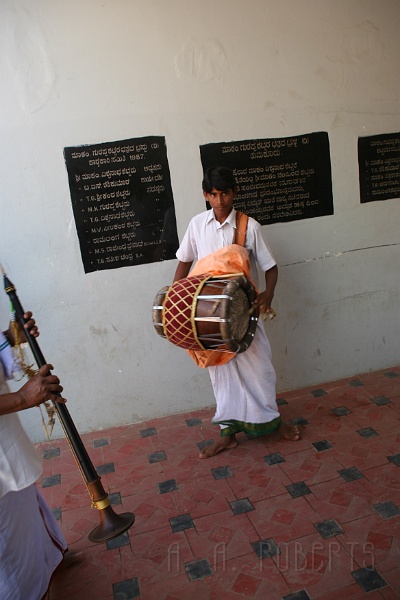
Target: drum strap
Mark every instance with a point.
(241, 228)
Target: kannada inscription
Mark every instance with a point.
(279, 179)
(379, 167)
(122, 202)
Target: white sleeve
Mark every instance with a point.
(6, 356)
(187, 251)
(258, 245)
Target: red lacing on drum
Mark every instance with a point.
(179, 312)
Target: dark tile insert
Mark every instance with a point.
(222, 472)
(367, 432)
(118, 542)
(350, 474)
(204, 443)
(57, 513)
(115, 498)
(319, 393)
(356, 383)
(198, 569)
(157, 457)
(340, 411)
(193, 422)
(51, 480)
(167, 486)
(298, 489)
(241, 506)
(181, 523)
(369, 579)
(51, 453)
(299, 421)
(322, 445)
(381, 400)
(395, 459)
(106, 468)
(126, 590)
(301, 595)
(328, 528)
(391, 374)
(99, 443)
(281, 401)
(148, 432)
(387, 509)
(265, 548)
(274, 459)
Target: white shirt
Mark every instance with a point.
(205, 235)
(20, 465)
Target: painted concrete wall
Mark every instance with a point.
(84, 72)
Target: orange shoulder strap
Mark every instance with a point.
(241, 228)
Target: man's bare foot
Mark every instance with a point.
(224, 443)
(290, 432)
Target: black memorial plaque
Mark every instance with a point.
(379, 167)
(122, 201)
(279, 179)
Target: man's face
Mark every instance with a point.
(221, 201)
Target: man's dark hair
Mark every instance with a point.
(220, 178)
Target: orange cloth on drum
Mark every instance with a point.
(229, 260)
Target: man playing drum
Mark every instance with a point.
(244, 387)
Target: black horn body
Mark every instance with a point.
(111, 524)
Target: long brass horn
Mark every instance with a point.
(111, 524)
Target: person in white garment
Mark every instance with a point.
(245, 387)
(32, 545)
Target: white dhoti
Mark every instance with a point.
(31, 545)
(245, 390)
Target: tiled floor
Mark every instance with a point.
(270, 519)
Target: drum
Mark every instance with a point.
(207, 313)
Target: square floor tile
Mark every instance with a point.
(319, 393)
(51, 453)
(222, 472)
(381, 400)
(350, 474)
(198, 569)
(356, 383)
(119, 541)
(51, 481)
(298, 489)
(301, 595)
(299, 421)
(148, 432)
(369, 579)
(241, 506)
(265, 548)
(328, 528)
(340, 411)
(322, 445)
(115, 498)
(167, 486)
(181, 523)
(193, 422)
(367, 432)
(274, 459)
(126, 590)
(204, 444)
(99, 443)
(57, 513)
(391, 374)
(395, 459)
(106, 468)
(387, 509)
(157, 457)
(281, 401)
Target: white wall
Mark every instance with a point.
(83, 72)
